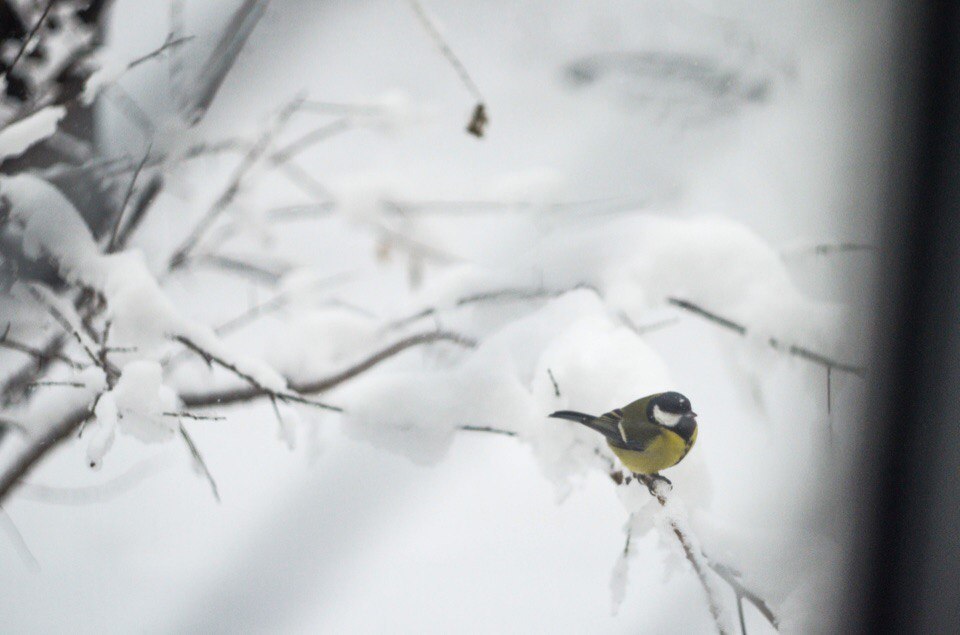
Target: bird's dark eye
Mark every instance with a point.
(674, 403)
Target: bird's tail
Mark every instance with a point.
(572, 415)
(604, 426)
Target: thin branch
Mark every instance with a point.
(29, 38)
(829, 249)
(198, 460)
(100, 492)
(141, 205)
(193, 416)
(553, 380)
(170, 43)
(479, 119)
(732, 578)
(237, 266)
(68, 384)
(111, 245)
(258, 388)
(445, 50)
(20, 545)
(224, 55)
(509, 294)
(42, 356)
(248, 393)
(646, 328)
(66, 325)
(330, 108)
(791, 349)
(273, 304)
(233, 187)
(39, 448)
(506, 433)
(324, 385)
(653, 486)
(10, 424)
(309, 139)
(305, 181)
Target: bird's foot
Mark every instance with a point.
(652, 482)
(663, 479)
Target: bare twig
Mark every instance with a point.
(100, 492)
(274, 303)
(200, 463)
(309, 139)
(233, 187)
(224, 55)
(23, 550)
(479, 117)
(111, 245)
(509, 294)
(791, 349)
(234, 265)
(247, 393)
(193, 416)
(732, 578)
(68, 327)
(141, 204)
(507, 433)
(10, 424)
(829, 249)
(39, 448)
(259, 388)
(330, 108)
(445, 50)
(42, 356)
(646, 328)
(553, 380)
(67, 384)
(29, 38)
(171, 42)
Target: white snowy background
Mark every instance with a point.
(708, 150)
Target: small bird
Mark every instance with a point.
(647, 435)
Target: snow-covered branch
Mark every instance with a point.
(317, 386)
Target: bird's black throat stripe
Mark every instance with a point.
(685, 428)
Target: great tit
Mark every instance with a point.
(647, 435)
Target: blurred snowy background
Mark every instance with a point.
(722, 154)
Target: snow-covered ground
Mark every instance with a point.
(636, 151)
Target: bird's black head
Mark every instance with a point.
(672, 410)
(672, 403)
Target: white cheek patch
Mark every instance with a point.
(665, 418)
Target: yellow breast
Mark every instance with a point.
(664, 451)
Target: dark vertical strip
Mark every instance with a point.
(907, 537)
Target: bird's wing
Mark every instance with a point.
(631, 434)
(613, 421)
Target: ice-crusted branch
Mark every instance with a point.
(791, 349)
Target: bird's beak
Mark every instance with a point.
(692, 414)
